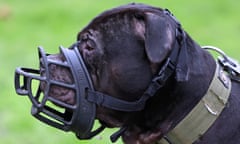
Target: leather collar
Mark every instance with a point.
(204, 114)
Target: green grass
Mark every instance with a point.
(26, 24)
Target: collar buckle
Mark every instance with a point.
(165, 72)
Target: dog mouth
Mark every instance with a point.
(66, 95)
(60, 74)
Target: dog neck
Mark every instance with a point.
(185, 95)
(175, 100)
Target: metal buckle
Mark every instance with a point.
(229, 64)
(165, 72)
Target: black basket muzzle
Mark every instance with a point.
(78, 117)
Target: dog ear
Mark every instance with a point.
(159, 37)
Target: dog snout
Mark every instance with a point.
(59, 74)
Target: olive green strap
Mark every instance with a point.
(200, 119)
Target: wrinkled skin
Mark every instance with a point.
(123, 51)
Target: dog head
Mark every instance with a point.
(122, 50)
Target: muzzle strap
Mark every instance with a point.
(115, 103)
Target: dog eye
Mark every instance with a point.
(84, 37)
(91, 45)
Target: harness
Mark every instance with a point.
(209, 108)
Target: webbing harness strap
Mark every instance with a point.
(204, 114)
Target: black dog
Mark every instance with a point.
(124, 49)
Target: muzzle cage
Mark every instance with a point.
(78, 117)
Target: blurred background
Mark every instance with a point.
(26, 24)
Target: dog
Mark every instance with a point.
(124, 49)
